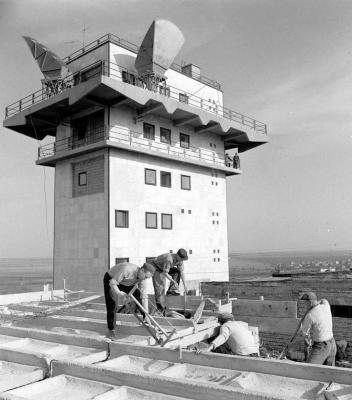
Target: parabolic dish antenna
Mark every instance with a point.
(158, 50)
(49, 63)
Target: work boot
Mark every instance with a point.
(173, 293)
(112, 334)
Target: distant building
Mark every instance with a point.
(138, 171)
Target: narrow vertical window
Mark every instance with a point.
(150, 176)
(82, 179)
(151, 220)
(148, 131)
(121, 219)
(184, 141)
(166, 221)
(165, 179)
(185, 182)
(165, 135)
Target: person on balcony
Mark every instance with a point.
(236, 161)
(168, 266)
(228, 160)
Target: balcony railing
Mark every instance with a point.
(122, 74)
(134, 140)
(134, 48)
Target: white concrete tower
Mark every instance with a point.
(139, 167)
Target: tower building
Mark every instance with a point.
(138, 148)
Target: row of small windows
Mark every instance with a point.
(216, 259)
(147, 259)
(165, 135)
(165, 179)
(214, 251)
(183, 211)
(151, 220)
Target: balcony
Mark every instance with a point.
(123, 138)
(109, 69)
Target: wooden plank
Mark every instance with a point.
(269, 324)
(265, 308)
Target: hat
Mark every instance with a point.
(311, 296)
(224, 317)
(149, 267)
(182, 253)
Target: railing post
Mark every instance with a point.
(254, 124)
(33, 98)
(6, 112)
(20, 105)
(130, 138)
(38, 153)
(200, 153)
(201, 103)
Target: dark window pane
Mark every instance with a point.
(165, 179)
(151, 220)
(184, 141)
(148, 131)
(121, 219)
(185, 182)
(166, 221)
(121, 259)
(150, 176)
(183, 98)
(165, 135)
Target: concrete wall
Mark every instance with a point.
(100, 53)
(81, 230)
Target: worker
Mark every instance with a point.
(119, 280)
(317, 327)
(168, 266)
(234, 338)
(236, 161)
(228, 160)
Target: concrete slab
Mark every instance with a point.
(13, 375)
(140, 364)
(128, 393)
(201, 373)
(282, 386)
(7, 339)
(63, 387)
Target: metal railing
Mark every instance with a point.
(109, 37)
(123, 74)
(132, 139)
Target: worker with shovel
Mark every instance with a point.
(317, 324)
(119, 280)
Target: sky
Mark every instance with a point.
(287, 63)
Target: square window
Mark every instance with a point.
(182, 210)
(212, 182)
(165, 179)
(218, 251)
(217, 214)
(213, 222)
(82, 179)
(189, 211)
(211, 144)
(218, 259)
(183, 98)
(190, 251)
(217, 222)
(149, 259)
(214, 251)
(121, 259)
(151, 220)
(121, 219)
(148, 131)
(216, 183)
(150, 176)
(170, 251)
(214, 259)
(213, 213)
(165, 135)
(185, 182)
(184, 141)
(166, 221)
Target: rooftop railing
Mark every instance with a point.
(109, 37)
(122, 74)
(132, 139)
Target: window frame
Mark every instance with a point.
(169, 134)
(169, 174)
(127, 215)
(187, 146)
(84, 173)
(122, 259)
(145, 176)
(162, 225)
(183, 98)
(146, 124)
(146, 220)
(190, 184)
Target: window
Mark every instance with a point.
(166, 221)
(185, 182)
(165, 135)
(148, 131)
(82, 179)
(149, 259)
(128, 78)
(190, 252)
(151, 220)
(182, 210)
(189, 211)
(165, 179)
(184, 141)
(150, 176)
(121, 219)
(341, 311)
(121, 259)
(183, 98)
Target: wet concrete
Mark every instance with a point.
(13, 375)
(137, 364)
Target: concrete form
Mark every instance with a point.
(142, 371)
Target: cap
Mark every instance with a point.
(182, 253)
(309, 296)
(149, 267)
(224, 317)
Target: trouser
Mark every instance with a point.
(226, 349)
(111, 306)
(159, 290)
(176, 276)
(323, 353)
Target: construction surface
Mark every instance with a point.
(66, 355)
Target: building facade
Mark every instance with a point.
(138, 172)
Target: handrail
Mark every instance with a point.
(115, 71)
(134, 139)
(110, 37)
